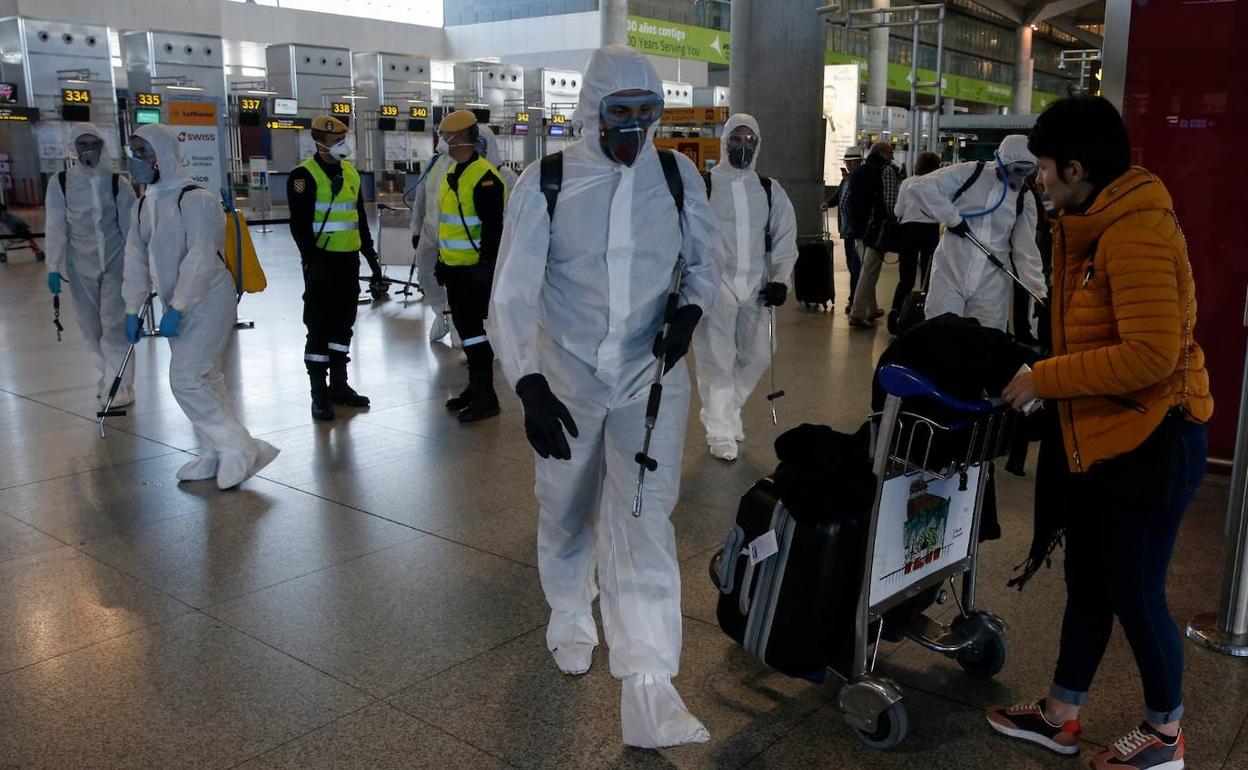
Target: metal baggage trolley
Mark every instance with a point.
(923, 532)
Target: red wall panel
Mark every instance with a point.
(1186, 107)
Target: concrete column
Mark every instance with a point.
(614, 18)
(1023, 65)
(877, 63)
(785, 94)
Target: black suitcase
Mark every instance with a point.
(812, 275)
(793, 610)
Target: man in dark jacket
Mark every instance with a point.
(330, 226)
(875, 186)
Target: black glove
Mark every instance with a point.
(961, 229)
(675, 345)
(543, 415)
(439, 272)
(774, 294)
(374, 266)
(415, 242)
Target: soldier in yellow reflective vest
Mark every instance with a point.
(471, 198)
(330, 226)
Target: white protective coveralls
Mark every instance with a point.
(580, 300)
(963, 280)
(731, 343)
(86, 243)
(494, 154)
(176, 249)
(424, 223)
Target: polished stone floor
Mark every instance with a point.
(371, 600)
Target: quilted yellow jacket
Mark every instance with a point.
(1124, 321)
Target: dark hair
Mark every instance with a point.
(1087, 129)
(926, 163)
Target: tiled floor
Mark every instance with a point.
(372, 600)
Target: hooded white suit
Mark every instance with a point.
(731, 343)
(494, 154)
(580, 300)
(963, 281)
(86, 243)
(176, 249)
(425, 224)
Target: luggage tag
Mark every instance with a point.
(763, 547)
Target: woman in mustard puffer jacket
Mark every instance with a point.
(1129, 387)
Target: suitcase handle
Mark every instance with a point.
(728, 560)
(747, 580)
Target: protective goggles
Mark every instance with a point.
(1019, 169)
(619, 110)
(743, 139)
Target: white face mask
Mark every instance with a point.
(341, 150)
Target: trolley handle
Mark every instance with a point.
(905, 383)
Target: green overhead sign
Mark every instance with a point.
(957, 87)
(667, 38)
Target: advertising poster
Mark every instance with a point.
(840, 112)
(924, 526)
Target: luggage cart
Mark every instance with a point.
(923, 532)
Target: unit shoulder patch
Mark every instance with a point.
(300, 185)
(487, 182)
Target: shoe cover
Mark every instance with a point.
(238, 467)
(125, 397)
(202, 467)
(653, 716)
(724, 449)
(571, 638)
(440, 327)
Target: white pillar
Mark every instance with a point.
(1023, 65)
(613, 15)
(877, 62)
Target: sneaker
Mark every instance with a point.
(1141, 749)
(1026, 721)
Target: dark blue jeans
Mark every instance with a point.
(1122, 524)
(854, 262)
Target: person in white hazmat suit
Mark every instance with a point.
(424, 227)
(732, 345)
(981, 198)
(89, 208)
(576, 317)
(488, 146)
(175, 244)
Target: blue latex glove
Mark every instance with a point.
(133, 328)
(169, 322)
(54, 283)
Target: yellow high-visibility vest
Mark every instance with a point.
(336, 219)
(459, 227)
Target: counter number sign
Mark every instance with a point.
(418, 112)
(558, 120)
(248, 104)
(147, 100)
(75, 96)
(388, 111)
(522, 117)
(340, 108)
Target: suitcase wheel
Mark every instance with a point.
(890, 728)
(714, 567)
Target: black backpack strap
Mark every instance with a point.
(185, 190)
(706, 179)
(116, 186)
(551, 181)
(979, 169)
(60, 177)
(766, 183)
(675, 184)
